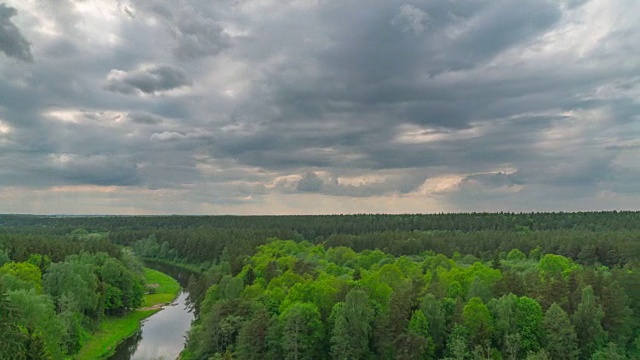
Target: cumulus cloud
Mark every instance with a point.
(148, 80)
(12, 42)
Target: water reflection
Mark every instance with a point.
(163, 334)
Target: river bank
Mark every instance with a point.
(114, 330)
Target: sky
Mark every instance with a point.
(318, 106)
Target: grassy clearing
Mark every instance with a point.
(113, 330)
(166, 290)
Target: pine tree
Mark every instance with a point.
(252, 337)
(587, 322)
(561, 341)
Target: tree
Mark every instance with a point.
(617, 313)
(610, 352)
(76, 282)
(43, 332)
(587, 322)
(552, 264)
(516, 255)
(252, 338)
(540, 355)
(21, 275)
(4, 258)
(560, 337)
(12, 339)
(432, 308)
(529, 319)
(477, 319)
(416, 342)
(302, 332)
(458, 343)
(506, 330)
(394, 322)
(352, 327)
(124, 289)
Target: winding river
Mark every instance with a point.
(162, 335)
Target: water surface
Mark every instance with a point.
(163, 334)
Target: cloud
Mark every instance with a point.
(310, 182)
(168, 136)
(363, 185)
(148, 80)
(411, 19)
(196, 34)
(12, 42)
(304, 106)
(144, 118)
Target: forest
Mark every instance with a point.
(441, 286)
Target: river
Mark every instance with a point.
(162, 335)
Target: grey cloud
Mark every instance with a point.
(12, 42)
(492, 180)
(168, 136)
(196, 34)
(199, 37)
(148, 80)
(398, 183)
(329, 91)
(412, 20)
(310, 183)
(144, 118)
(98, 170)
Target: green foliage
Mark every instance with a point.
(409, 266)
(252, 339)
(587, 322)
(529, 320)
(76, 283)
(21, 276)
(124, 288)
(516, 255)
(560, 337)
(551, 264)
(4, 258)
(352, 327)
(458, 343)
(610, 352)
(477, 319)
(42, 331)
(436, 321)
(302, 332)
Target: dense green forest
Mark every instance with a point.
(456, 286)
(55, 289)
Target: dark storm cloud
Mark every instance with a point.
(12, 42)
(522, 103)
(148, 80)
